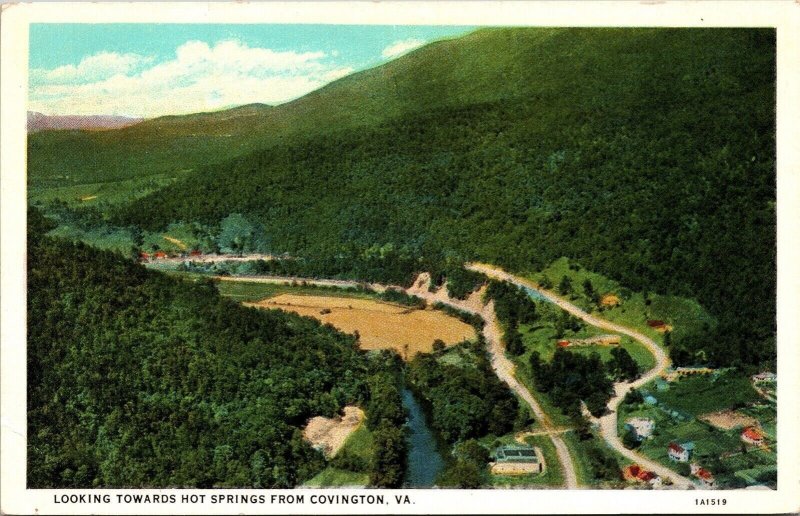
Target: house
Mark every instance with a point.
(656, 323)
(641, 427)
(680, 452)
(764, 377)
(195, 252)
(563, 343)
(159, 254)
(631, 472)
(144, 257)
(752, 435)
(517, 454)
(636, 473)
(705, 476)
(609, 300)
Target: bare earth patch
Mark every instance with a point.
(329, 435)
(728, 419)
(379, 325)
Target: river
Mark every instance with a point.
(424, 460)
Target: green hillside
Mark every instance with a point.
(136, 379)
(644, 154)
(552, 66)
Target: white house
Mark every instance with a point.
(680, 452)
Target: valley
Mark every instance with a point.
(524, 257)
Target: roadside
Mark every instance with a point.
(608, 422)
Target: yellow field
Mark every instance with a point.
(380, 325)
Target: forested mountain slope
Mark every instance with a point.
(565, 70)
(140, 380)
(647, 155)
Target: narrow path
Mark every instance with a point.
(608, 423)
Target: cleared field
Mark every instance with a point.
(329, 435)
(379, 325)
(728, 419)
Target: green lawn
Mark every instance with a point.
(701, 393)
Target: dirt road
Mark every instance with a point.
(280, 280)
(502, 366)
(608, 423)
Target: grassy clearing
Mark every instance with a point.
(119, 240)
(101, 194)
(686, 316)
(701, 394)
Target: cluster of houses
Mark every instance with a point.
(636, 473)
(682, 452)
(765, 377)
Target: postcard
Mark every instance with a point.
(399, 258)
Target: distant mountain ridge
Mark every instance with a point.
(41, 122)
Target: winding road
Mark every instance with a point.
(502, 366)
(608, 422)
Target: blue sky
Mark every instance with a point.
(157, 69)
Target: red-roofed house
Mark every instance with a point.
(160, 254)
(563, 343)
(656, 323)
(195, 252)
(704, 475)
(752, 435)
(680, 452)
(144, 256)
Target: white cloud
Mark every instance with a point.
(92, 68)
(401, 47)
(200, 77)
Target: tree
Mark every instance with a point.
(462, 474)
(629, 440)
(565, 285)
(622, 365)
(389, 463)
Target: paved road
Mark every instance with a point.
(608, 423)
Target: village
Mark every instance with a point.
(732, 447)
